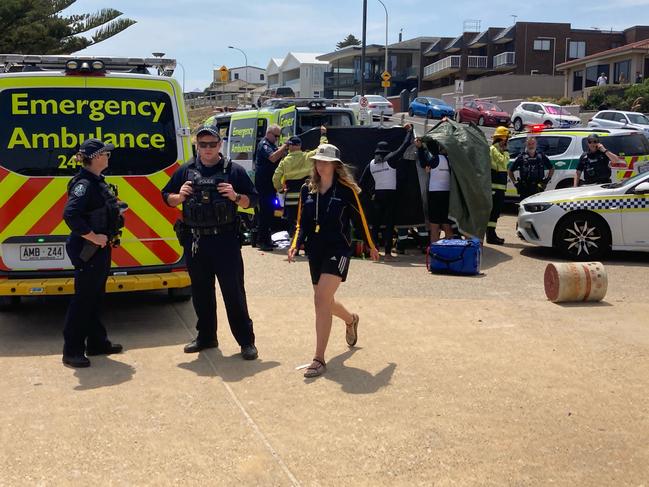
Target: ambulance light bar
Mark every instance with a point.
(29, 62)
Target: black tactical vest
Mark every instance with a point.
(107, 219)
(206, 207)
(596, 168)
(531, 169)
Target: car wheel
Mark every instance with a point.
(429, 115)
(548, 124)
(481, 121)
(582, 236)
(565, 183)
(411, 112)
(518, 124)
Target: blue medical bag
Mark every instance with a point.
(455, 256)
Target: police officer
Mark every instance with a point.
(531, 166)
(267, 157)
(594, 163)
(210, 188)
(93, 214)
(499, 161)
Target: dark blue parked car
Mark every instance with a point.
(430, 108)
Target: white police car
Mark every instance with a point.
(584, 223)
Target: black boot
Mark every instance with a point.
(492, 238)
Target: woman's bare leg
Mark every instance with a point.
(323, 299)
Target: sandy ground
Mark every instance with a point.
(455, 381)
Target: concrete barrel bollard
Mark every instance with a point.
(575, 281)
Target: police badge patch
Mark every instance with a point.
(79, 190)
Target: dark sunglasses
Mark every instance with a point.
(106, 153)
(211, 145)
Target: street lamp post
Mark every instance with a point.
(246, 58)
(385, 89)
(183, 68)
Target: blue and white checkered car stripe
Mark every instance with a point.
(606, 204)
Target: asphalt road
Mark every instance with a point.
(455, 381)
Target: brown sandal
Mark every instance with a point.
(351, 334)
(316, 368)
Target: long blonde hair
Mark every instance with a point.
(343, 172)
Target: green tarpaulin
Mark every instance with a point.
(468, 155)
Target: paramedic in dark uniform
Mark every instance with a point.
(211, 188)
(531, 166)
(327, 206)
(383, 170)
(595, 163)
(267, 157)
(93, 214)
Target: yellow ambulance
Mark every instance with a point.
(48, 106)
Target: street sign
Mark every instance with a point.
(224, 73)
(385, 76)
(363, 102)
(385, 84)
(459, 86)
(363, 113)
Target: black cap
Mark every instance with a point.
(295, 140)
(382, 148)
(209, 129)
(91, 147)
(593, 138)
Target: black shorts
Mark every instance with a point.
(319, 264)
(438, 207)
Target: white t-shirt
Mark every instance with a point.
(440, 177)
(385, 177)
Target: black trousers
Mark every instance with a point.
(527, 190)
(219, 256)
(82, 321)
(385, 202)
(497, 201)
(265, 217)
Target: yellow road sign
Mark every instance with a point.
(385, 76)
(385, 84)
(224, 72)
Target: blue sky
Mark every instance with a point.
(197, 32)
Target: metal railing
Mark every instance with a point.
(505, 59)
(478, 62)
(450, 62)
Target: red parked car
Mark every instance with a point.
(483, 113)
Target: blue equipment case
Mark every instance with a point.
(455, 256)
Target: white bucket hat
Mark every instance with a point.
(327, 152)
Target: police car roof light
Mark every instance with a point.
(15, 62)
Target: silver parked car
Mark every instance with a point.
(616, 119)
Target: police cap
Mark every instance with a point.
(208, 130)
(92, 147)
(295, 140)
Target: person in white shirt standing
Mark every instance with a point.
(439, 189)
(602, 80)
(383, 169)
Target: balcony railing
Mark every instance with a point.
(450, 62)
(478, 62)
(505, 59)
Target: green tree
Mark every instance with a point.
(40, 27)
(350, 40)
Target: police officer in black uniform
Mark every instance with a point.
(211, 188)
(531, 166)
(594, 163)
(93, 213)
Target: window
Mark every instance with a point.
(236, 75)
(261, 77)
(529, 107)
(553, 146)
(578, 81)
(624, 145)
(593, 72)
(44, 143)
(605, 116)
(541, 44)
(621, 71)
(576, 49)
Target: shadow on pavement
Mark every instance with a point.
(354, 380)
(582, 304)
(492, 257)
(136, 320)
(230, 369)
(104, 372)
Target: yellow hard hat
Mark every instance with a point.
(501, 133)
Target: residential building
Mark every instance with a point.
(621, 65)
(523, 49)
(249, 74)
(301, 71)
(343, 79)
